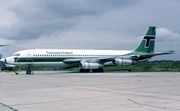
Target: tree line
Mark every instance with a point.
(150, 66)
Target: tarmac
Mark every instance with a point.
(73, 91)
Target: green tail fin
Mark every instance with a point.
(148, 42)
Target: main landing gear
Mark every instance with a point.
(98, 70)
(93, 70)
(84, 70)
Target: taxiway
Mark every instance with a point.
(71, 91)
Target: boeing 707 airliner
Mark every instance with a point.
(86, 60)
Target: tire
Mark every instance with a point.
(84, 70)
(28, 72)
(98, 70)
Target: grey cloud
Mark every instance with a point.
(91, 21)
(44, 17)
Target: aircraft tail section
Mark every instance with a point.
(145, 49)
(148, 42)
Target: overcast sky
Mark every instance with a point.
(88, 24)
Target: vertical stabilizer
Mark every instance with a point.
(148, 42)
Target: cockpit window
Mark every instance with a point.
(16, 54)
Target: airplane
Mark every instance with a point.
(4, 66)
(86, 60)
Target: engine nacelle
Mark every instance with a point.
(123, 62)
(86, 65)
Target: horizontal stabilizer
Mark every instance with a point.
(149, 55)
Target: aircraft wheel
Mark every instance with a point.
(98, 70)
(84, 70)
(101, 70)
(28, 71)
(81, 70)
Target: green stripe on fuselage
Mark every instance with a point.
(45, 59)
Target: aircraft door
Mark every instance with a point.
(29, 57)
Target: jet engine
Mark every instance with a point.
(87, 65)
(123, 62)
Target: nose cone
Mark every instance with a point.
(10, 60)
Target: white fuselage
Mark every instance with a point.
(55, 57)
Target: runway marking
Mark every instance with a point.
(99, 90)
(92, 87)
(160, 107)
(8, 107)
(114, 92)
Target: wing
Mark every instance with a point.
(103, 60)
(149, 55)
(72, 61)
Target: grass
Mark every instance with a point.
(153, 66)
